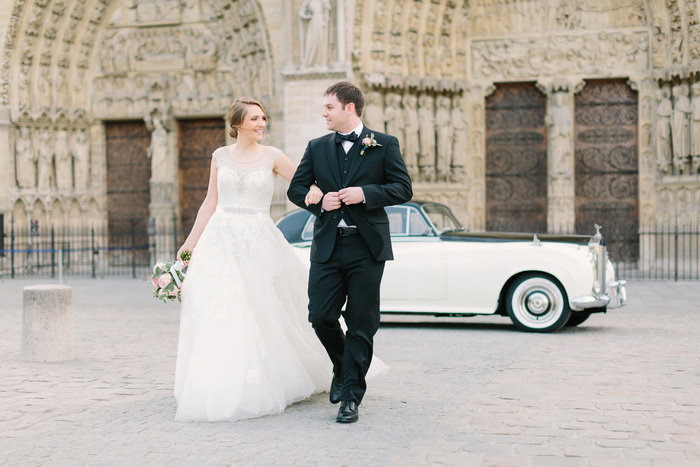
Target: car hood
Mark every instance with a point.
(512, 237)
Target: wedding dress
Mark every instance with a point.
(246, 348)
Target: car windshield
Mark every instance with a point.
(441, 217)
(406, 221)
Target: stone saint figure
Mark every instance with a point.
(680, 126)
(443, 124)
(695, 127)
(44, 157)
(158, 152)
(460, 141)
(412, 128)
(393, 116)
(26, 159)
(81, 150)
(64, 161)
(663, 130)
(426, 156)
(560, 126)
(373, 115)
(314, 23)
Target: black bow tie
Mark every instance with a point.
(352, 136)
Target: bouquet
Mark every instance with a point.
(167, 278)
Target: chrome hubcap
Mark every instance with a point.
(538, 303)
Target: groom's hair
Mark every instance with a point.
(346, 92)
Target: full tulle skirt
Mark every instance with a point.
(246, 348)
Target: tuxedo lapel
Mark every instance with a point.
(332, 158)
(357, 159)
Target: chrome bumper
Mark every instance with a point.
(615, 297)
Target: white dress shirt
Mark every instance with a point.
(346, 147)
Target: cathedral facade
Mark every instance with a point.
(538, 115)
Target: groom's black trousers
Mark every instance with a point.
(352, 273)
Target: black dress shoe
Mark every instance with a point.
(348, 412)
(336, 387)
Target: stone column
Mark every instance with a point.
(164, 196)
(302, 106)
(7, 172)
(648, 167)
(47, 323)
(560, 157)
(476, 155)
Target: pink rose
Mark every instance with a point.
(158, 265)
(172, 293)
(366, 142)
(164, 280)
(154, 281)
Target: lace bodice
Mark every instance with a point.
(245, 186)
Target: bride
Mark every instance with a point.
(246, 348)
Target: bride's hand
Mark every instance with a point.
(314, 195)
(183, 249)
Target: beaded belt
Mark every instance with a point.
(239, 210)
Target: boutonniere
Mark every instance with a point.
(368, 142)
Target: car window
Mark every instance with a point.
(441, 217)
(398, 216)
(405, 221)
(307, 234)
(419, 227)
(292, 224)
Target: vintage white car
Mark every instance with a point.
(542, 282)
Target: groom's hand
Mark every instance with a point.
(331, 201)
(352, 195)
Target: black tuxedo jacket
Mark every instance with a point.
(380, 172)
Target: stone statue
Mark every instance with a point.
(25, 159)
(680, 126)
(314, 25)
(695, 127)
(663, 130)
(64, 161)
(158, 153)
(460, 141)
(81, 150)
(44, 158)
(426, 155)
(373, 114)
(560, 126)
(410, 152)
(393, 116)
(443, 124)
(24, 87)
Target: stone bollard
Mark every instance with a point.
(47, 323)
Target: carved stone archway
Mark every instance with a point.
(72, 65)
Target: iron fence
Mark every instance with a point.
(661, 252)
(91, 252)
(664, 252)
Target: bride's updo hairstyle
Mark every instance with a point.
(237, 112)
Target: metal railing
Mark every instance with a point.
(660, 252)
(665, 252)
(87, 252)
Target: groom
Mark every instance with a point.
(360, 171)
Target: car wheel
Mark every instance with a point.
(536, 303)
(577, 318)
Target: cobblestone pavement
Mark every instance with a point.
(621, 389)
